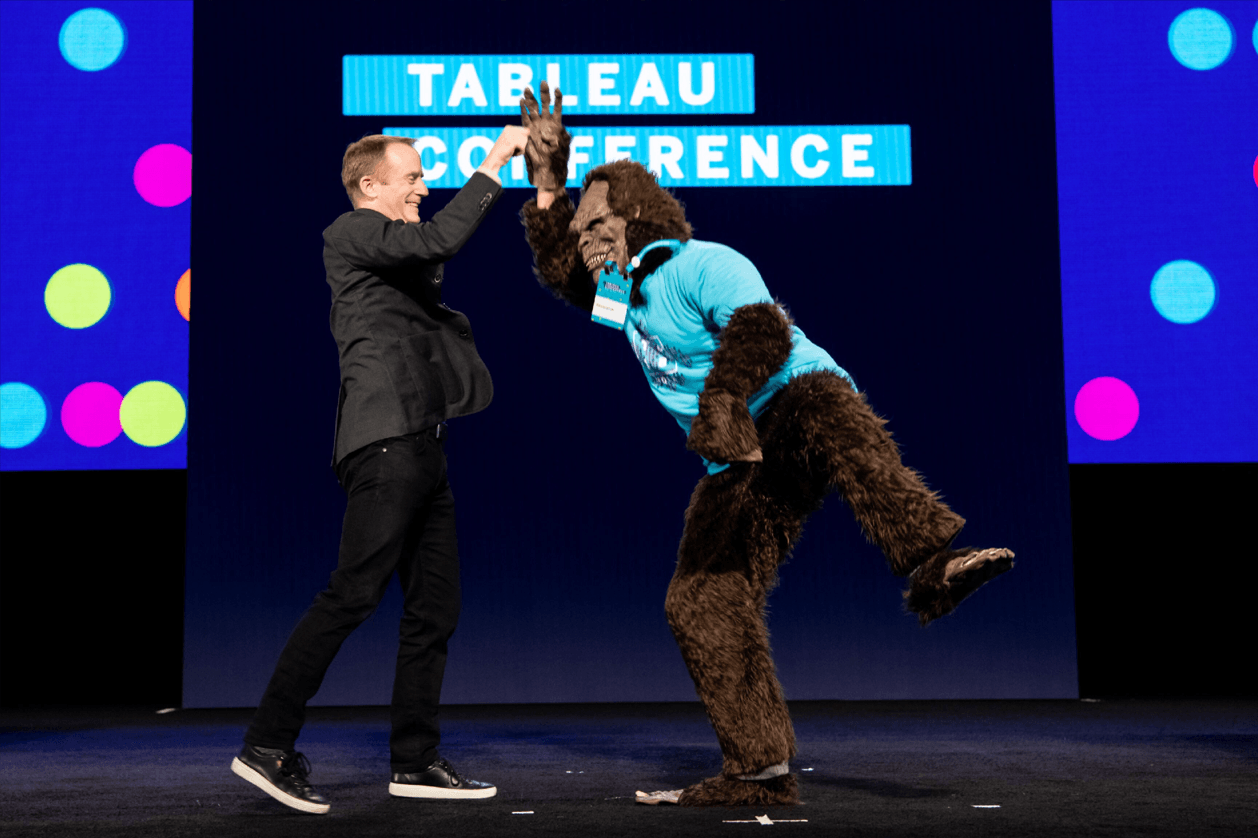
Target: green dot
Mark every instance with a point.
(78, 296)
(152, 413)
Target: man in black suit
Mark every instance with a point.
(408, 363)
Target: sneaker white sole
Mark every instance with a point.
(437, 793)
(248, 774)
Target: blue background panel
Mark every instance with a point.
(941, 298)
(71, 140)
(1155, 165)
(378, 85)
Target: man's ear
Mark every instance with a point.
(367, 186)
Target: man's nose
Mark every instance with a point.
(421, 188)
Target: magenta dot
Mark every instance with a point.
(163, 175)
(90, 414)
(1107, 408)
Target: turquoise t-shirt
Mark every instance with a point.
(689, 300)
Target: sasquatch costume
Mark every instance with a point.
(778, 423)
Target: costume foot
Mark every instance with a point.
(655, 798)
(441, 782)
(939, 585)
(281, 774)
(723, 791)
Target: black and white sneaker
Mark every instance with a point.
(281, 774)
(441, 782)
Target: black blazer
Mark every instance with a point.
(408, 361)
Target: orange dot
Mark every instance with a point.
(183, 294)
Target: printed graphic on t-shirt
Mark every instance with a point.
(660, 361)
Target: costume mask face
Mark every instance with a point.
(602, 232)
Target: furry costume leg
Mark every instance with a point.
(736, 535)
(832, 435)
(828, 434)
(817, 435)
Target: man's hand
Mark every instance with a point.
(546, 154)
(510, 142)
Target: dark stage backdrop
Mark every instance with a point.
(940, 297)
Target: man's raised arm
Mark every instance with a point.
(367, 241)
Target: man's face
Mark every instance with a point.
(399, 182)
(602, 232)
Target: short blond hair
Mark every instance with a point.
(363, 158)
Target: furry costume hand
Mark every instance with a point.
(723, 432)
(753, 346)
(546, 154)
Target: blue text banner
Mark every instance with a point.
(449, 85)
(743, 155)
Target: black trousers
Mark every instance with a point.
(400, 517)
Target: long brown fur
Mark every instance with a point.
(723, 791)
(818, 435)
(557, 263)
(723, 431)
(751, 348)
(727, 564)
(828, 431)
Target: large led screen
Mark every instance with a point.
(869, 159)
(1157, 162)
(95, 275)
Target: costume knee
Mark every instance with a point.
(825, 432)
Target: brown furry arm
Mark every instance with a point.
(557, 262)
(753, 346)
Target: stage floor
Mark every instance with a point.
(972, 768)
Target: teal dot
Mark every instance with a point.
(23, 414)
(92, 39)
(1256, 36)
(1200, 39)
(1182, 291)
